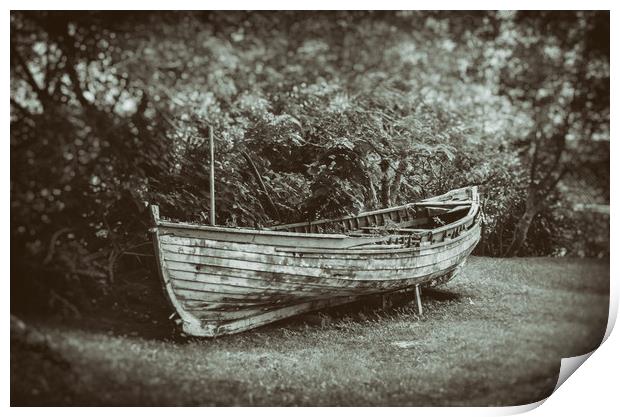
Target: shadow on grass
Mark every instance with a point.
(149, 318)
(481, 341)
(383, 306)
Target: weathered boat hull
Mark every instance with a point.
(224, 280)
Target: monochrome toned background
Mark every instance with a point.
(315, 114)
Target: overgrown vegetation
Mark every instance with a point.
(315, 114)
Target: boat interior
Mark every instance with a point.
(431, 221)
(415, 218)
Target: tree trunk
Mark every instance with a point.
(374, 201)
(386, 197)
(398, 176)
(536, 201)
(523, 226)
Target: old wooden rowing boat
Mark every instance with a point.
(223, 280)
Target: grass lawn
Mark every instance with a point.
(493, 336)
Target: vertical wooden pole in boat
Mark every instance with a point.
(212, 177)
(418, 297)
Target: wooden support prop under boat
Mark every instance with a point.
(418, 298)
(224, 280)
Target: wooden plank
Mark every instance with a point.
(442, 211)
(463, 193)
(223, 317)
(199, 255)
(351, 253)
(243, 268)
(220, 327)
(446, 204)
(225, 306)
(253, 279)
(210, 329)
(197, 263)
(238, 301)
(437, 242)
(244, 231)
(296, 256)
(403, 230)
(214, 287)
(236, 285)
(297, 239)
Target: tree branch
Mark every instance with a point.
(261, 183)
(555, 182)
(395, 187)
(41, 93)
(69, 53)
(52, 245)
(547, 183)
(20, 108)
(534, 165)
(539, 203)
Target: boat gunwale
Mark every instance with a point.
(245, 230)
(362, 252)
(383, 210)
(473, 210)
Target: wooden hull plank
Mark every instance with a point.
(370, 272)
(199, 256)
